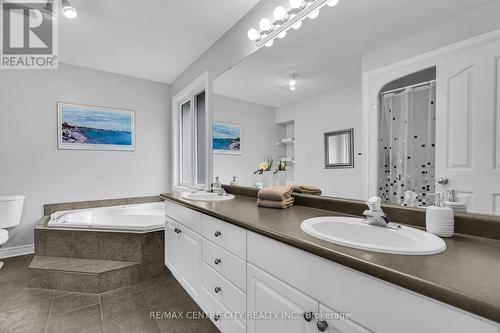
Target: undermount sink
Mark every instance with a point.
(353, 232)
(207, 196)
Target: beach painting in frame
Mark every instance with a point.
(226, 138)
(95, 128)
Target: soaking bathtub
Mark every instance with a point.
(135, 218)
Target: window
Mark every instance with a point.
(191, 130)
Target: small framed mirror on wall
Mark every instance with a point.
(339, 149)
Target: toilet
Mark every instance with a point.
(11, 208)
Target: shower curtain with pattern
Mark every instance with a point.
(407, 144)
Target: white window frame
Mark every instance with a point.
(188, 94)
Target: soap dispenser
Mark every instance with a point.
(439, 219)
(453, 202)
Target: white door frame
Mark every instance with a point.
(372, 83)
(201, 83)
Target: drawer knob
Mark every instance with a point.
(217, 233)
(216, 317)
(217, 261)
(217, 290)
(322, 325)
(308, 316)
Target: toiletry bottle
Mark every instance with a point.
(216, 185)
(439, 219)
(234, 182)
(454, 203)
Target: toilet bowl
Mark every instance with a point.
(11, 209)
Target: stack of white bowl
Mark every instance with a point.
(440, 221)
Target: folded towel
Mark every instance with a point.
(275, 204)
(307, 189)
(275, 193)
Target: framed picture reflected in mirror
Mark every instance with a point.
(339, 149)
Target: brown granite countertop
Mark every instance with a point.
(466, 275)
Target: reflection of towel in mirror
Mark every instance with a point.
(275, 193)
(275, 204)
(307, 189)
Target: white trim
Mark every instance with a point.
(374, 80)
(17, 251)
(199, 84)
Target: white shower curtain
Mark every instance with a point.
(407, 144)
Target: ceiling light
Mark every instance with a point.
(270, 43)
(253, 35)
(293, 88)
(279, 13)
(332, 3)
(314, 14)
(292, 82)
(282, 35)
(296, 3)
(68, 10)
(297, 25)
(265, 24)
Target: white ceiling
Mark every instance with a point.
(153, 39)
(326, 52)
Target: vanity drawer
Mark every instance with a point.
(225, 263)
(219, 314)
(226, 235)
(223, 290)
(188, 217)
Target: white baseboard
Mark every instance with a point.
(17, 251)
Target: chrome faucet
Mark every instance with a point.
(376, 216)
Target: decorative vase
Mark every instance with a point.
(281, 178)
(266, 179)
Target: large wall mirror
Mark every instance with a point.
(280, 101)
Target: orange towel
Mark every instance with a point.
(307, 189)
(275, 204)
(275, 193)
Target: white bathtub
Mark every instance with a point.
(134, 218)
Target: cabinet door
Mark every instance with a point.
(190, 261)
(286, 306)
(171, 247)
(333, 322)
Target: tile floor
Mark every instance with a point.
(126, 309)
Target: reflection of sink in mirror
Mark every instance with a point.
(207, 196)
(355, 233)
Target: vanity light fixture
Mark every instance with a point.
(68, 10)
(284, 20)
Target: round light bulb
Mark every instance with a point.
(265, 24)
(279, 13)
(296, 3)
(269, 43)
(332, 3)
(70, 12)
(297, 25)
(282, 35)
(292, 82)
(293, 88)
(253, 34)
(314, 14)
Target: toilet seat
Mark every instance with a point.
(4, 236)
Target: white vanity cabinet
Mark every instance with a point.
(252, 283)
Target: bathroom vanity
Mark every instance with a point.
(252, 267)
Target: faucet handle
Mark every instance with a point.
(374, 203)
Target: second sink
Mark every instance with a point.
(352, 232)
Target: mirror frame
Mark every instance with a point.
(350, 133)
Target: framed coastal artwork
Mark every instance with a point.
(95, 128)
(226, 138)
